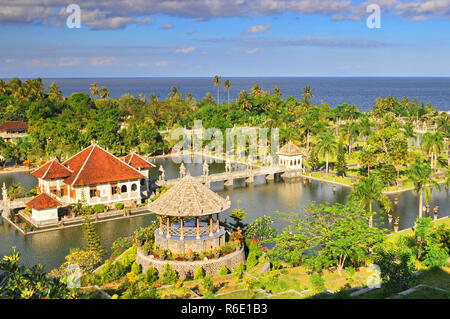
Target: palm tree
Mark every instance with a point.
(95, 91)
(217, 82)
(432, 144)
(104, 93)
(421, 176)
(307, 95)
(276, 91)
(2, 87)
(308, 124)
(227, 86)
(370, 189)
(326, 144)
(54, 92)
(174, 93)
(351, 131)
(244, 102)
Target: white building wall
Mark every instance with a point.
(45, 215)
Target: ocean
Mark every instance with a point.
(361, 91)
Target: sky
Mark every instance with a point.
(146, 38)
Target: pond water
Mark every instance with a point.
(260, 198)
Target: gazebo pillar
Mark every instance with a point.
(168, 227)
(210, 226)
(182, 230)
(217, 223)
(160, 225)
(198, 227)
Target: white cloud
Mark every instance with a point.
(69, 61)
(258, 29)
(103, 61)
(252, 51)
(161, 63)
(9, 60)
(167, 26)
(185, 50)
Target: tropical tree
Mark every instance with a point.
(432, 144)
(54, 92)
(326, 144)
(227, 87)
(367, 157)
(421, 176)
(217, 82)
(370, 189)
(104, 93)
(95, 91)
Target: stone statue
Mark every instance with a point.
(205, 168)
(163, 174)
(182, 170)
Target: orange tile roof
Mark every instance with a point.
(13, 126)
(137, 161)
(43, 201)
(52, 170)
(94, 165)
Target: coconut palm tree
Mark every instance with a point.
(104, 93)
(227, 86)
(307, 95)
(54, 92)
(217, 82)
(326, 145)
(432, 144)
(370, 189)
(276, 91)
(95, 91)
(308, 124)
(421, 176)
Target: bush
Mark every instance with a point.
(435, 255)
(99, 208)
(136, 268)
(151, 275)
(169, 275)
(207, 285)
(141, 290)
(119, 206)
(199, 273)
(239, 271)
(317, 282)
(252, 259)
(120, 245)
(396, 267)
(223, 271)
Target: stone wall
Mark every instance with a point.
(182, 246)
(187, 268)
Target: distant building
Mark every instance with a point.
(44, 208)
(13, 129)
(291, 156)
(96, 175)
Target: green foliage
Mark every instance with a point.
(207, 285)
(151, 275)
(435, 255)
(252, 259)
(317, 282)
(136, 268)
(168, 275)
(261, 229)
(333, 235)
(19, 282)
(341, 165)
(99, 208)
(121, 244)
(396, 267)
(119, 206)
(91, 240)
(238, 216)
(199, 273)
(141, 290)
(87, 260)
(238, 272)
(223, 271)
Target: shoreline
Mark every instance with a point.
(15, 169)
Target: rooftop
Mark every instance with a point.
(43, 201)
(290, 149)
(13, 126)
(137, 161)
(189, 198)
(52, 170)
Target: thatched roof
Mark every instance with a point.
(189, 198)
(290, 149)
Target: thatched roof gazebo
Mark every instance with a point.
(190, 202)
(291, 156)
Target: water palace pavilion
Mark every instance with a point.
(94, 175)
(194, 205)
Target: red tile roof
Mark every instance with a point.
(137, 161)
(94, 165)
(13, 126)
(43, 201)
(52, 170)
